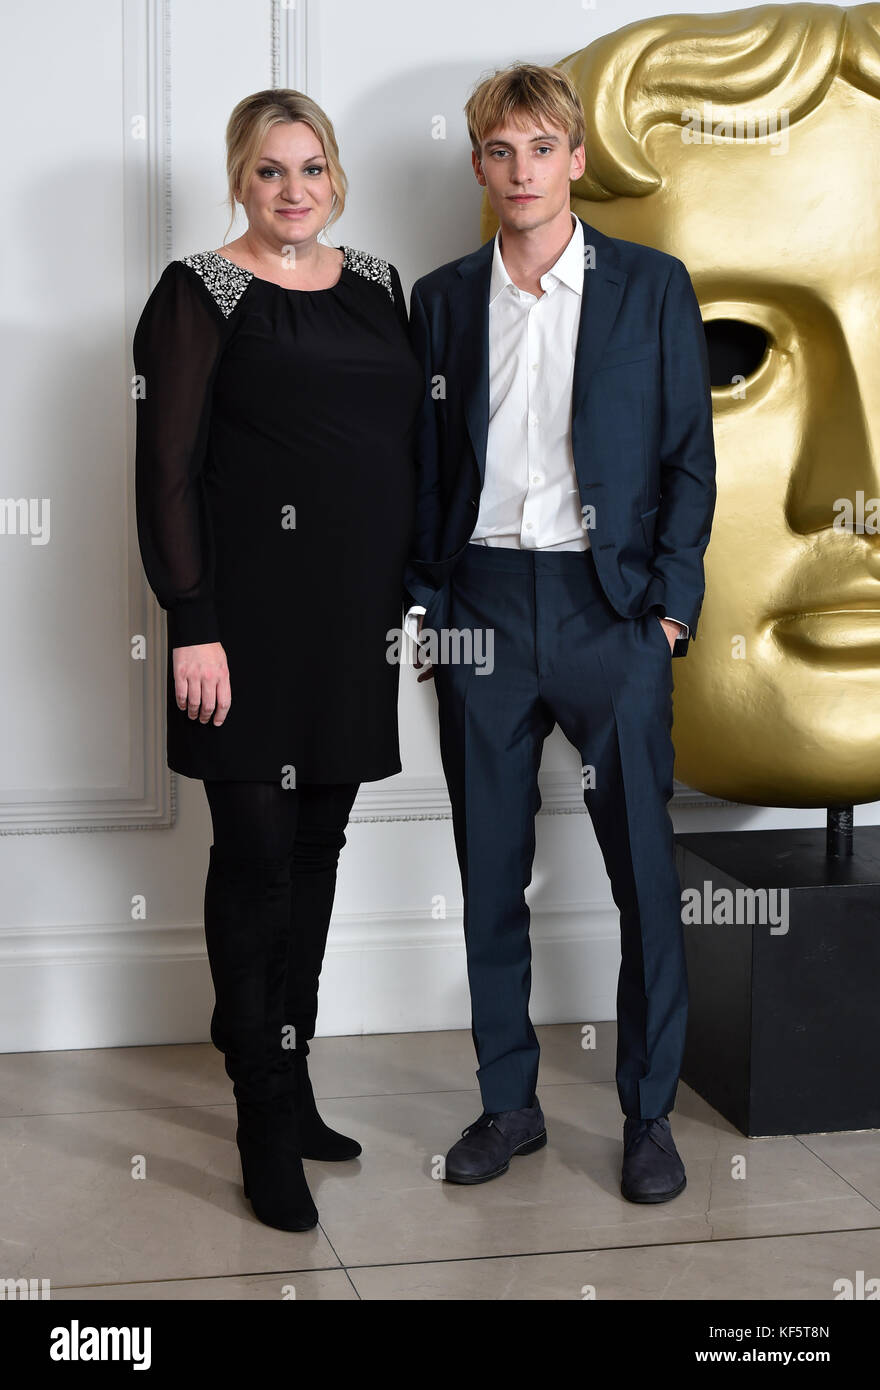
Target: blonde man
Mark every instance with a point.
(566, 493)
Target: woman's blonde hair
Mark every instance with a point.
(524, 89)
(248, 127)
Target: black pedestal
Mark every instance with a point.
(784, 1026)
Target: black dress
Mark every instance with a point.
(275, 485)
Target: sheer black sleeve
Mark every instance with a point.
(177, 346)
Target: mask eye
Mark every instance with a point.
(736, 349)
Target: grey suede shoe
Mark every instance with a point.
(652, 1168)
(486, 1147)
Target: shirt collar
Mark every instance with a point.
(568, 270)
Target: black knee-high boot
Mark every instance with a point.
(317, 1139)
(247, 910)
(313, 884)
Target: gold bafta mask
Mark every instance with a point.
(748, 145)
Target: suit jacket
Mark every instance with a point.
(641, 427)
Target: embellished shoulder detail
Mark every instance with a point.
(372, 267)
(226, 281)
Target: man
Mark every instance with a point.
(566, 492)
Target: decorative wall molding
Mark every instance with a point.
(147, 799)
(148, 244)
(130, 983)
(426, 798)
(292, 42)
(106, 942)
(101, 944)
(406, 799)
(82, 814)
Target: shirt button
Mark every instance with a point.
(529, 526)
(536, 478)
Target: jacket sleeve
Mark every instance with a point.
(687, 452)
(177, 346)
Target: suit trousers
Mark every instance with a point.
(560, 654)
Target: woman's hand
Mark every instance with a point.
(201, 681)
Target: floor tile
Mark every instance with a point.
(855, 1157)
(304, 1286)
(566, 1196)
(112, 1078)
(74, 1214)
(776, 1268)
(761, 1218)
(392, 1064)
(135, 1078)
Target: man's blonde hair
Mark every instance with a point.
(521, 92)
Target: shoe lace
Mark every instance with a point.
(484, 1122)
(655, 1132)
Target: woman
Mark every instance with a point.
(275, 494)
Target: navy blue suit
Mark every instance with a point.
(576, 639)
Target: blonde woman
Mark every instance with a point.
(275, 491)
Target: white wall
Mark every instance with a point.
(90, 819)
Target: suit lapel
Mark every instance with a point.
(469, 304)
(603, 291)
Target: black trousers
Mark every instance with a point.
(561, 655)
(268, 902)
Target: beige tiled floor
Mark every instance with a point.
(76, 1126)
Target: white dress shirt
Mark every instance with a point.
(530, 498)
